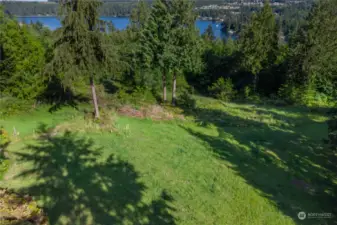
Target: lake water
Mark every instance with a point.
(119, 22)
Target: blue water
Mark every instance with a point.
(119, 22)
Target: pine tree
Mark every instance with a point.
(155, 40)
(2, 22)
(259, 42)
(79, 50)
(169, 38)
(184, 39)
(22, 60)
(209, 33)
(139, 15)
(314, 48)
(139, 64)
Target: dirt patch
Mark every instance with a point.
(154, 112)
(20, 210)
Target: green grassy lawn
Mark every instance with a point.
(225, 164)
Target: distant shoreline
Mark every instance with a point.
(55, 16)
(40, 16)
(36, 16)
(58, 16)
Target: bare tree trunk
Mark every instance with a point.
(255, 82)
(94, 97)
(164, 86)
(174, 88)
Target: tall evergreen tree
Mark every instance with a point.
(140, 15)
(259, 42)
(184, 39)
(140, 68)
(209, 33)
(314, 49)
(21, 60)
(79, 50)
(156, 38)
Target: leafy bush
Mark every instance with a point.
(123, 96)
(136, 96)
(291, 94)
(4, 138)
(307, 96)
(4, 141)
(142, 95)
(183, 85)
(303, 95)
(247, 95)
(106, 121)
(223, 89)
(186, 100)
(4, 163)
(247, 92)
(11, 106)
(22, 66)
(322, 99)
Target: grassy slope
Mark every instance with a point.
(236, 164)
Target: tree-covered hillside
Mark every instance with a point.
(159, 125)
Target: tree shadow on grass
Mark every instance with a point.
(77, 185)
(288, 167)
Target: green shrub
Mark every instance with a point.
(183, 85)
(10, 106)
(303, 95)
(247, 92)
(290, 93)
(250, 95)
(123, 96)
(141, 95)
(4, 138)
(307, 96)
(322, 99)
(4, 141)
(223, 89)
(186, 100)
(4, 164)
(136, 96)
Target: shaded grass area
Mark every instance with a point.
(232, 164)
(77, 186)
(279, 151)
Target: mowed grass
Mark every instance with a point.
(225, 164)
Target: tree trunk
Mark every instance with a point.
(94, 97)
(174, 88)
(255, 82)
(164, 86)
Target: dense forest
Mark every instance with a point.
(161, 49)
(258, 63)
